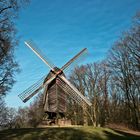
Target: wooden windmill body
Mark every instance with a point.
(56, 88)
(55, 98)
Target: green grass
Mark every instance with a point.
(66, 133)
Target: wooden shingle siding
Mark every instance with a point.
(56, 98)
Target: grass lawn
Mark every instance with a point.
(66, 133)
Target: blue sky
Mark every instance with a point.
(61, 28)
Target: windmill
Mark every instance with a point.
(56, 88)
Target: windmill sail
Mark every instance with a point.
(38, 52)
(32, 94)
(35, 88)
(69, 92)
(32, 90)
(73, 91)
(74, 59)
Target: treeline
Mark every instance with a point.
(113, 85)
(22, 117)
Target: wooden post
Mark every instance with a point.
(57, 113)
(85, 115)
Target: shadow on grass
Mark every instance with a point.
(64, 134)
(120, 135)
(46, 134)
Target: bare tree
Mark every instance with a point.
(91, 80)
(124, 63)
(7, 116)
(8, 12)
(36, 112)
